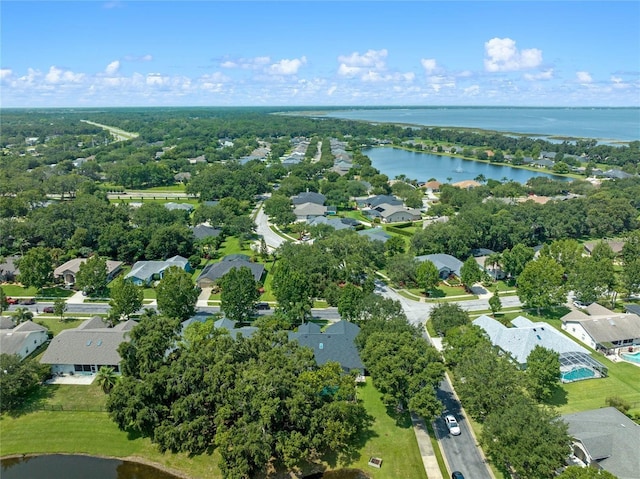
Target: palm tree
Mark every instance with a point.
(106, 378)
(21, 315)
(480, 178)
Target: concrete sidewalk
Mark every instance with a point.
(427, 453)
(76, 298)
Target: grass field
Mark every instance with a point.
(78, 426)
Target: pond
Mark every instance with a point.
(422, 166)
(60, 466)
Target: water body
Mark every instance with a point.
(58, 466)
(605, 124)
(422, 166)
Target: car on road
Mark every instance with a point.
(27, 301)
(452, 424)
(11, 300)
(457, 475)
(48, 309)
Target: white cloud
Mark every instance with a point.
(5, 73)
(57, 75)
(135, 58)
(247, 63)
(374, 76)
(332, 90)
(287, 67)
(503, 56)
(584, 77)
(473, 90)
(544, 75)
(355, 64)
(112, 68)
(429, 65)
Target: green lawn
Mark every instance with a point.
(75, 426)
(391, 439)
(54, 324)
(17, 290)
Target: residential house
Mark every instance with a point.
(308, 197)
(203, 231)
(144, 272)
(68, 271)
(602, 329)
(377, 200)
(543, 163)
(433, 185)
(519, 340)
(548, 155)
(85, 349)
(9, 270)
(22, 340)
(335, 223)
(171, 206)
(397, 213)
(335, 343)
(605, 439)
(375, 234)
(466, 184)
(447, 265)
(616, 246)
(309, 211)
(481, 256)
(616, 174)
(197, 159)
(212, 273)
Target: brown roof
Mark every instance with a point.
(466, 184)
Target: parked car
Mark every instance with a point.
(452, 424)
(579, 304)
(27, 301)
(457, 475)
(48, 309)
(262, 306)
(11, 300)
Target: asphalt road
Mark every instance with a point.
(462, 452)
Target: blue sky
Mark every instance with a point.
(241, 53)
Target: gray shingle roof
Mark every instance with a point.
(309, 197)
(205, 231)
(13, 340)
(442, 260)
(604, 326)
(145, 270)
(610, 438)
(375, 234)
(217, 270)
(334, 344)
(87, 345)
(525, 336)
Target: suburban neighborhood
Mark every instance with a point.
(278, 299)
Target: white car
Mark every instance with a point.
(452, 424)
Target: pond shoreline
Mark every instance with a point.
(136, 459)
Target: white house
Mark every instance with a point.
(603, 329)
(23, 339)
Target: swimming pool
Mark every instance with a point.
(577, 374)
(633, 357)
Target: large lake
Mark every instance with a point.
(621, 124)
(422, 166)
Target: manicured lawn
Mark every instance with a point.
(54, 324)
(232, 245)
(17, 290)
(391, 439)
